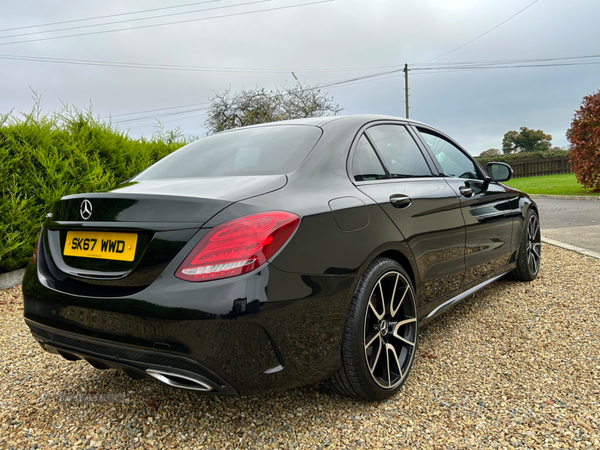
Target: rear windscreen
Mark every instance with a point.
(252, 151)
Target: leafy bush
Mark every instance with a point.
(523, 156)
(584, 136)
(46, 156)
(490, 153)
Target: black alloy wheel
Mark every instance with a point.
(390, 330)
(380, 337)
(530, 251)
(534, 246)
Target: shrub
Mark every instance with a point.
(584, 136)
(490, 153)
(523, 156)
(44, 157)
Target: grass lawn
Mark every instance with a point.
(563, 184)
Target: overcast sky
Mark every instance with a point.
(322, 43)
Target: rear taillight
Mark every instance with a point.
(238, 246)
(35, 251)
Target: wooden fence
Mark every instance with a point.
(536, 167)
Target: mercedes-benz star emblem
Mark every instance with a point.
(85, 209)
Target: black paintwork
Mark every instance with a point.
(280, 325)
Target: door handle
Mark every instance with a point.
(400, 201)
(466, 191)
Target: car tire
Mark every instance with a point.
(530, 250)
(380, 335)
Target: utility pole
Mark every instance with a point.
(406, 88)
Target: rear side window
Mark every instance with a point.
(399, 151)
(267, 150)
(366, 165)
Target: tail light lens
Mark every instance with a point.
(35, 251)
(238, 246)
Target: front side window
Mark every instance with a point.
(454, 162)
(399, 151)
(268, 150)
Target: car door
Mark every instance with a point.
(484, 205)
(388, 166)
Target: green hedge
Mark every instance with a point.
(524, 156)
(44, 157)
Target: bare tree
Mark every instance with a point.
(251, 107)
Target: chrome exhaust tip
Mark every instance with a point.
(180, 381)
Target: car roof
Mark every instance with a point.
(324, 120)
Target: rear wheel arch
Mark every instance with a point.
(402, 256)
(404, 261)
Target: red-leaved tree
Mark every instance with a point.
(584, 136)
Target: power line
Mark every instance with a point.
(371, 77)
(530, 62)
(79, 27)
(168, 121)
(351, 83)
(381, 76)
(481, 65)
(454, 67)
(175, 67)
(510, 61)
(154, 110)
(135, 119)
(397, 73)
(481, 35)
(364, 77)
(196, 109)
(106, 16)
(515, 66)
(176, 22)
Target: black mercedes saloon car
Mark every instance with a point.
(278, 255)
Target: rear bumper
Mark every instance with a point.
(136, 363)
(263, 331)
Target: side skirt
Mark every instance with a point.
(435, 308)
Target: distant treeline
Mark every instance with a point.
(524, 156)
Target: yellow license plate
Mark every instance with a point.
(101, 245)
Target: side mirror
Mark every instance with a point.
(499, 171)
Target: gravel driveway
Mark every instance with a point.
(516, 365)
